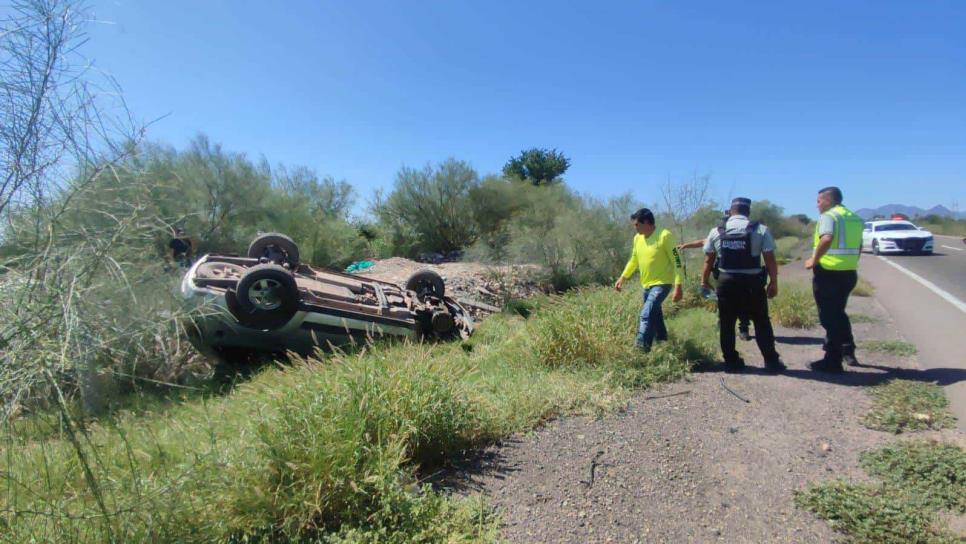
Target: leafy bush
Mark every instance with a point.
(431, 208)
(537, 166)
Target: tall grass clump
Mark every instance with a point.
(594, 328)
(794, 307)
(334, 448)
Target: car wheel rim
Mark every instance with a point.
(265, 294)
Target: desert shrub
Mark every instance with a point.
(785, 248)
(430, 208)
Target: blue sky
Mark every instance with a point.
(772, 100)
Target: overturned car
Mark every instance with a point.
(269, 302)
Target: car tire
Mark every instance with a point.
(875, 247)
(426, 282)
(275, 247)
(266, 297)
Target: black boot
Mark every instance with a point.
(827, 365)
(736, 365)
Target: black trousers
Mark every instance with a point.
(744, 295)
(831, 289)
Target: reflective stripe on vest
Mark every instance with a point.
(846, 240)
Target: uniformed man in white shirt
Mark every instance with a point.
(740, 245)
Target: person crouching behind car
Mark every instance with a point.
(656, 258)
(180, 247)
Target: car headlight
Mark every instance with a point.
(928, 238)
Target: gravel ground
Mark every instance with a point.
(692, 462)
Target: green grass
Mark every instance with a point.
(930, 474)
(794, 307)
(903, 405)
(918, 480)
(872, 514)
(786, 248)
(863, 289)
(892, 347)
(862, 318)
(331, 450)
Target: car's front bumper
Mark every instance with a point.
(906, 245)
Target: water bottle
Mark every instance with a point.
(709, 294)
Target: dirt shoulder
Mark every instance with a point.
(693, 462)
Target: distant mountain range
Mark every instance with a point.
(908, 211)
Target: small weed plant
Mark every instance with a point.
(930, 474)
(918, 480)
(892, 347)
(903, 405)
(862, 318)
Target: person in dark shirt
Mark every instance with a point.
(181, 247)
(744, 321)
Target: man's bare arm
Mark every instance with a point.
(692, 244)
(706, 271)
(771, 265)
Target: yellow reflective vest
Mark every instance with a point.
(846, 246)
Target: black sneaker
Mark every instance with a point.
(734, 366)
(851, 360)
(825, 365)
(775, 365)
(744, 335)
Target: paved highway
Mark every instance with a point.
(926, 295)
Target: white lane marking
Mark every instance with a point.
(953, 248)
(960, 305)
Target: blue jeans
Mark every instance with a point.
(652, 317)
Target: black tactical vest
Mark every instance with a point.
(735, 253)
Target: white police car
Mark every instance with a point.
(896, 237)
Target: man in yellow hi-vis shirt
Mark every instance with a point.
(835, 260)
(656, 257)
